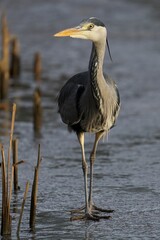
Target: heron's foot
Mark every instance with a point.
(89, 216)
(98, 209)
(77, 210)
(93, 209)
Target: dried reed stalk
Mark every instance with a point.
(6, 218)
(22, 208)
(10, 142)
(4, 63)
(15, 162)
(15, 64)
(34, 193)
(7, 182)
(37, 67)
(10, 190)
(37, 110)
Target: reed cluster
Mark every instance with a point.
(10, 177)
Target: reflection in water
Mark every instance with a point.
(15, 203)
(4, 119)
(89, 233)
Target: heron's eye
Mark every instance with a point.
(91, 26)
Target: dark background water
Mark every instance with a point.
(127, 168)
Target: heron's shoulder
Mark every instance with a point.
(79, 78)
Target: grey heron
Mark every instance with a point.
(89, 102)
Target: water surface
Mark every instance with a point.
(127, 169)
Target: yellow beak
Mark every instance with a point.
(68, 32)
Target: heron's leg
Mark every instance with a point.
(92, 160)
(88, 215)
(84, 167)
(85, 172)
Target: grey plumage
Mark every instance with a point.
(88, 102)
(86, 106)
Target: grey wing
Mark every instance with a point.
(117, 103)
(112, 82)
(68, 100)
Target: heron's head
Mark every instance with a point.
(92, 29)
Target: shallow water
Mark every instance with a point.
(127, 169)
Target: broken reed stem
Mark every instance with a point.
(10, 189)
(37, 66)
(10, 142)
(4, 65)
(4, 189)
(6, 218)
(37, 110)
(22, 208)
(4, 84)
(34, 200)
(39, 156)
(15, 162)
(5, 41)
(15, 58)
(34, 193)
